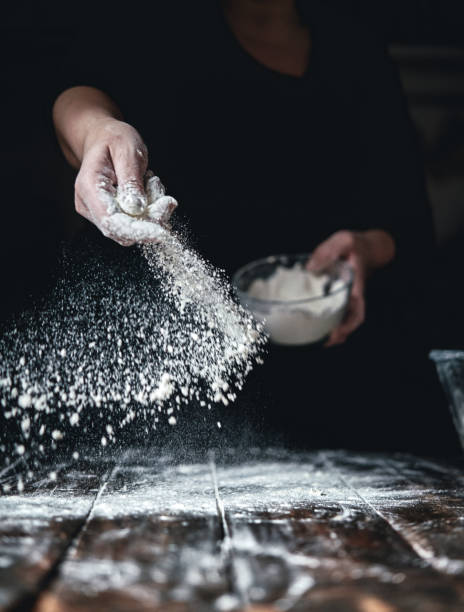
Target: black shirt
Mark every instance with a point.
(263, 162)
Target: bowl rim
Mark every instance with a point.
(296, 256)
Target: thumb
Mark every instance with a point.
(336, 246)
(321, 258)
(130, 171)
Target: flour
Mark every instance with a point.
(130, 200)
(131, 229)
(127, 342)
(221, 334)
(292, 304)
(132, 217)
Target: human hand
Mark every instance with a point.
(354, 248)
(113, 189)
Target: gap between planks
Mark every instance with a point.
(225, 543)
(29, 602)
(227, 548)
(229, 560)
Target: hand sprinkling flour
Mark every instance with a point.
(113, 188)
(135, 217)
(110, 348)
(134, 339)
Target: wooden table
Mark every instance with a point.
(332, 531)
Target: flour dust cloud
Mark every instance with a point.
(128, 336)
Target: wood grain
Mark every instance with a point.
(38, 526)
(277, 531)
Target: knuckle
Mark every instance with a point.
(140, 159)
(322, 252)
(348, 239)
(343, 240)
(117, 137)
(141, 151)
(325, 248)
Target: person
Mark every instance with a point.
(280, 126)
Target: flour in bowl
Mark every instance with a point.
(292, 303)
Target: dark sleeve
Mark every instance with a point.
(392, 190)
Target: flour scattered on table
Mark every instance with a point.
(118, 344)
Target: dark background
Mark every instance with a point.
(424, 38)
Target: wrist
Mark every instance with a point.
(76, 113)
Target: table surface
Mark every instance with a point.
(328, 530)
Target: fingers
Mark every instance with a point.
(127, 230)
(338, 245)
(154, 187)
(95, 187)
(355, 316)
(160, 206)
(161, 211)
(114, 190)
(130, 165)
(344, 245)
(356, 309)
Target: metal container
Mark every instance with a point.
(450, 368)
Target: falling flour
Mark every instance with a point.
(115, 345)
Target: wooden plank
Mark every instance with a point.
(302, 536)
(39, 524)
(319, 531)
(152, 543)
(422, 500)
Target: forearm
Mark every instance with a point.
(75, 113)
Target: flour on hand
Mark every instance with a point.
(133, 217)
